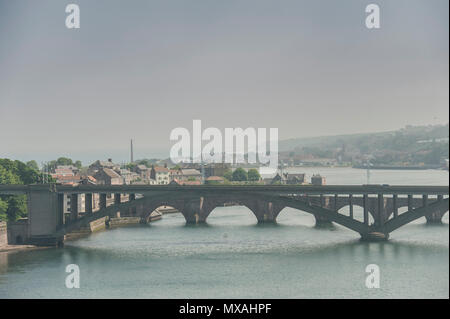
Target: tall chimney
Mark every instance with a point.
(131, 151)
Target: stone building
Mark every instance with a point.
(190, 174)
(107, 176)
(160, 175)
(288, 179)
(143, 171)
(66, 170)
(98, 165)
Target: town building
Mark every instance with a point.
(66, 170)
(67, 179)
(190, 174)
(160, 175)
(185, 174)
(107, 176)
(316, 179)
(98, 165)
(129, 177)
(175, 174)
(288, 179)
(143, 171)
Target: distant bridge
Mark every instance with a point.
(381, 205)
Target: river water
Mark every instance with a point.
(233, 257)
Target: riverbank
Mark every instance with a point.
(15, 248)
(167, 210)
(100, 224)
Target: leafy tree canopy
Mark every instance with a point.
(240, 175)
(228, 175)
(16, 172)
(253, 175)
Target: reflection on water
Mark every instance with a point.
(233, 257)
(3, 262)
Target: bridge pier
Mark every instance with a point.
(117, 201)
(434, 217)
(374, 236)
(265, 211)
(193, 212)
(132, 210)
(74, 206)
(322, 222)
(88, 203)
(45, 217)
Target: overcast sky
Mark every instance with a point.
(138, 69)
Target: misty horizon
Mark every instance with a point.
(307, 68)
(122, 155)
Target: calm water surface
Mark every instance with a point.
(233, 257)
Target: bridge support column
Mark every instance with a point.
(322, 221)
(45, 215)
(193, 212)
(434, 217)
(329, 203)
(60, 210)
(117, 201)
(132, 210)
(88, 203)
(196, 211)
(265, 211)
(74, 207)
(102, 201)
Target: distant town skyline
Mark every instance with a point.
(138, 70)
(122, 155)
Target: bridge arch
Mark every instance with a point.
(245, 214)
(299, 216)
(267, 205)
(148, 207)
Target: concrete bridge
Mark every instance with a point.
(384, 208)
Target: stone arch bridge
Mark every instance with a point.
(385, 208)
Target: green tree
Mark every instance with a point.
(78, 164)
(51, 166)
(253, 175)
(26, 174)
(17, 207)
(15, 172)
(64, 161)
(228, 175)
(240, 175)
(3, 209)
(7, 176)
(33, 165)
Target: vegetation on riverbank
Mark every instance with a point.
(16, 172)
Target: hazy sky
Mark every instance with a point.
(138, 69)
